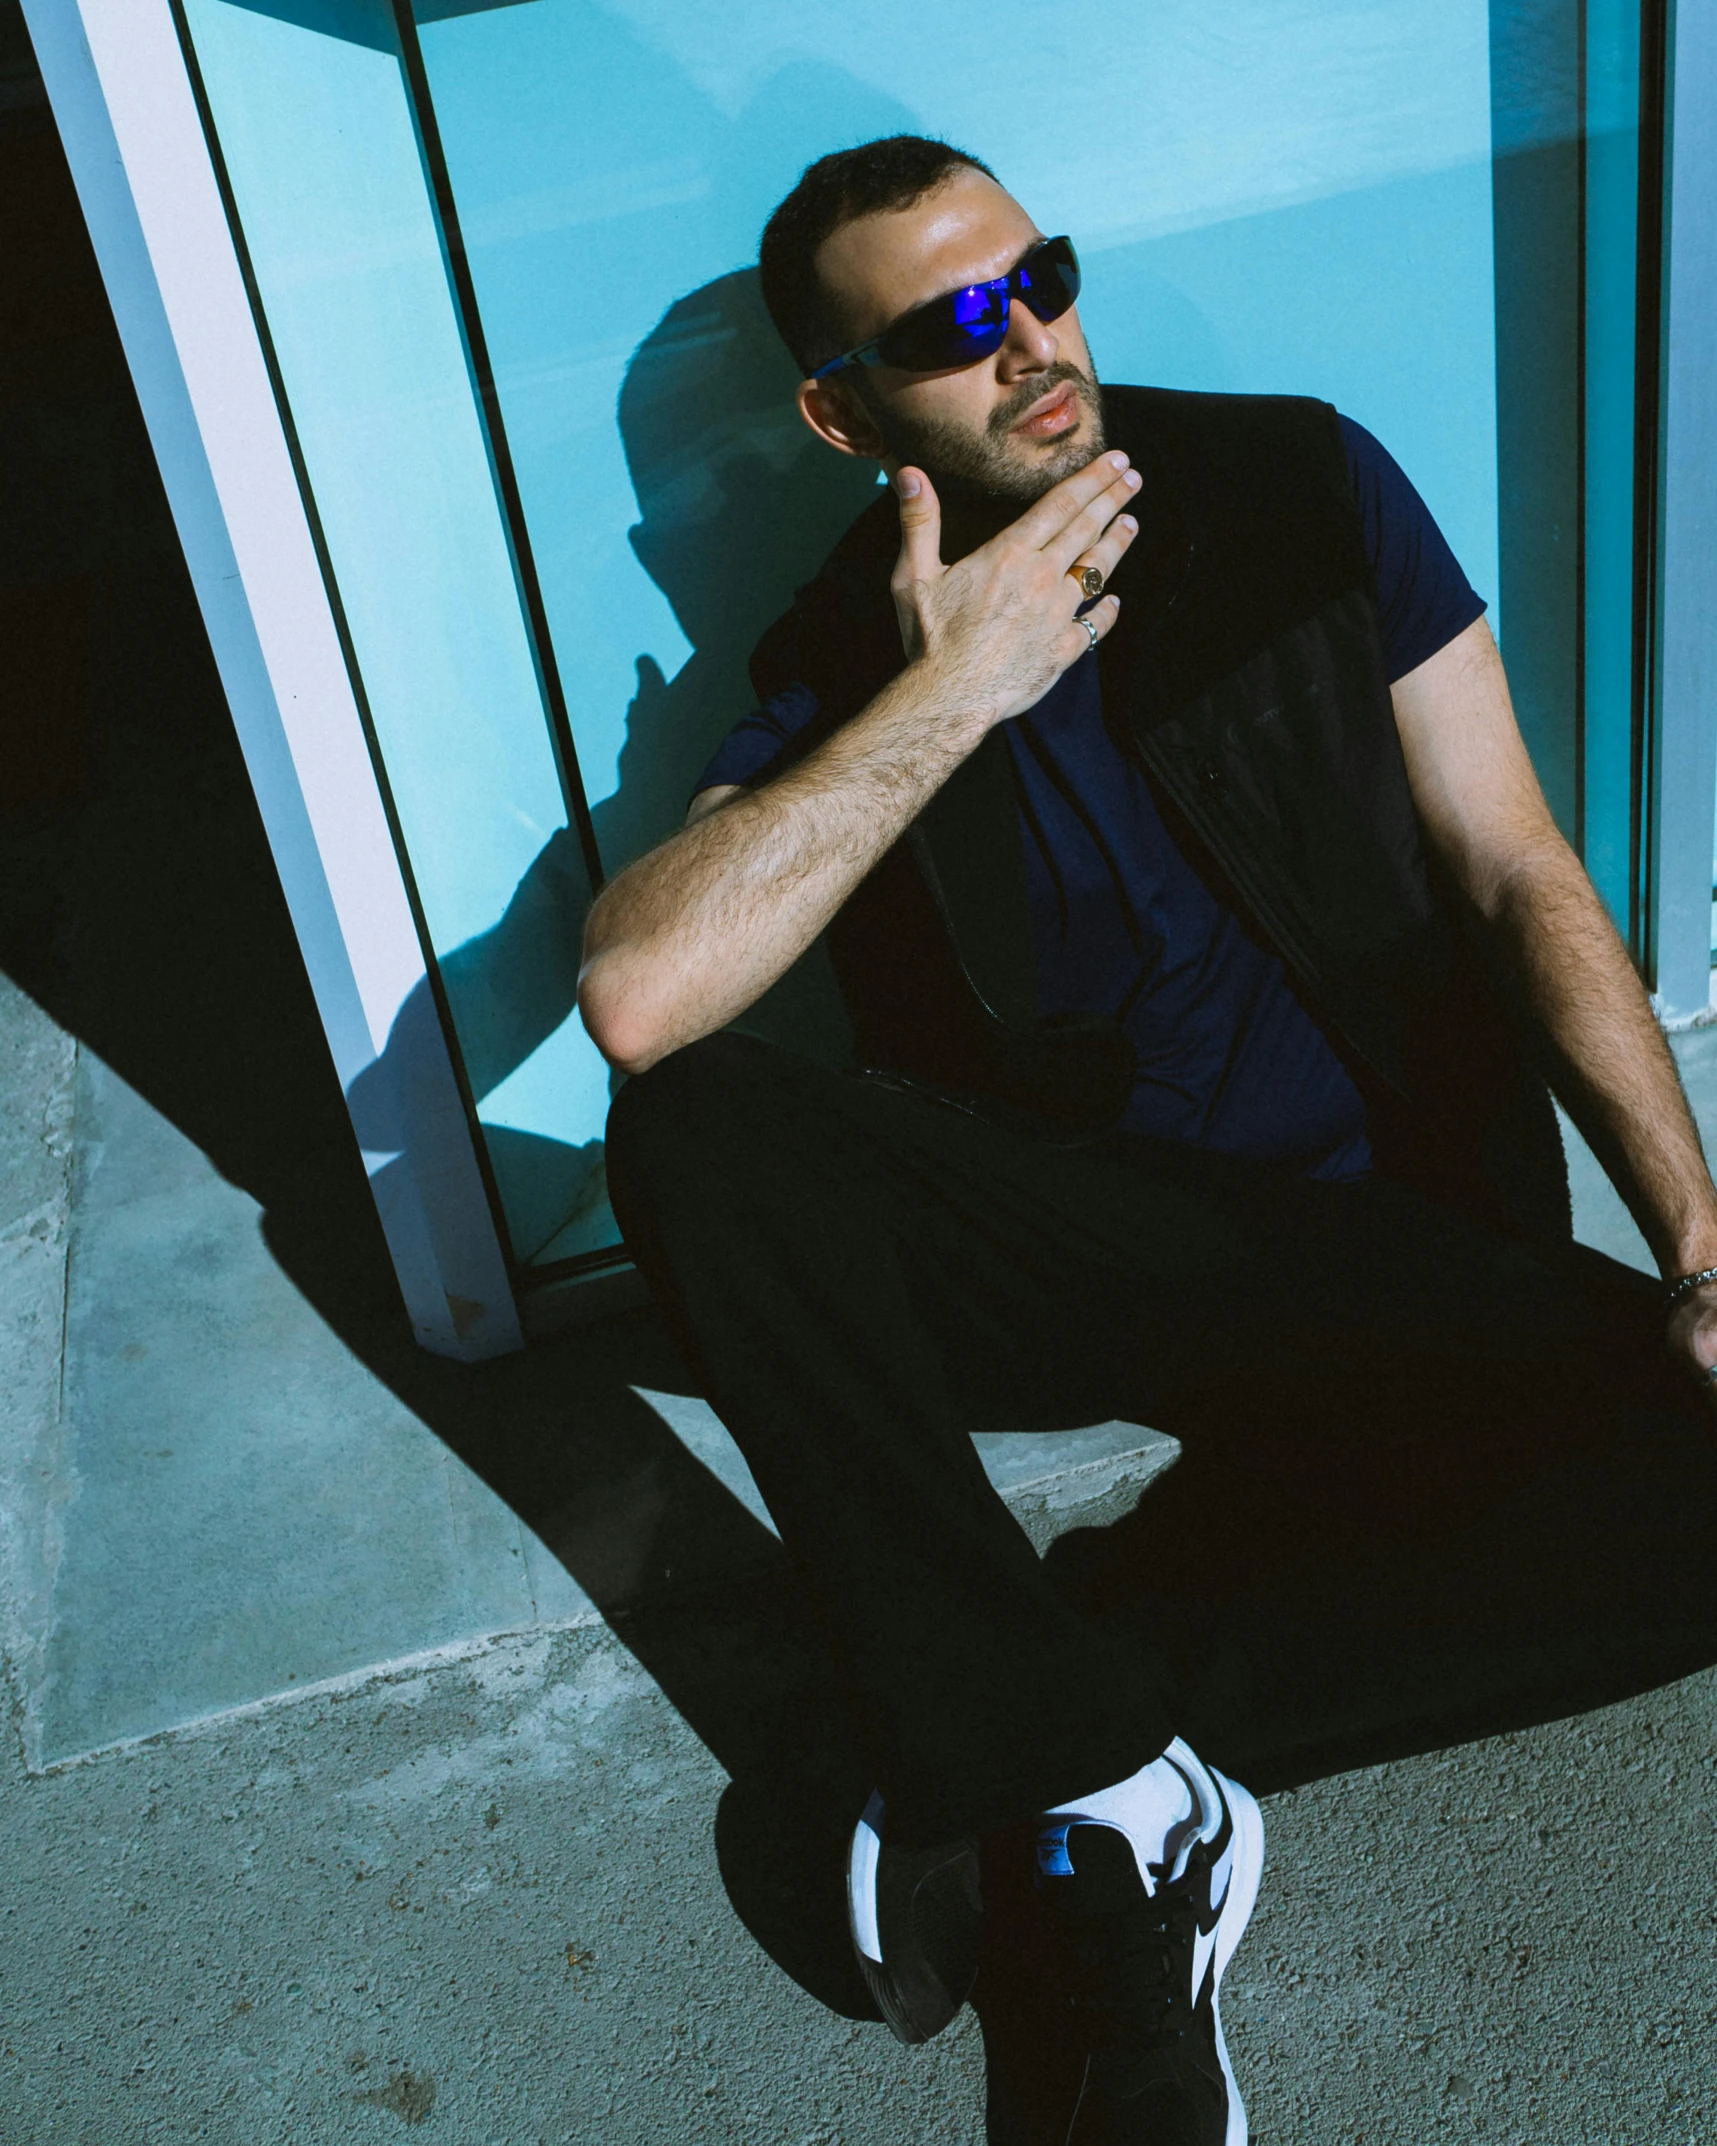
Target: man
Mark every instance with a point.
(1181, 1088)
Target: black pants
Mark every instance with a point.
(861, 1277)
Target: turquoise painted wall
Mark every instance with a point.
(1300, 202)
(1279, 195)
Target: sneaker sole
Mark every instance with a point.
(913, 1914)
(1246, 1874)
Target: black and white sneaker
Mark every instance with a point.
(914, 1915)
(1147, 1944)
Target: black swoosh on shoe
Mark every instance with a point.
(1156, 2069)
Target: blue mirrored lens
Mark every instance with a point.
(970, 324)
(956, 330)
(1049, 279)
(976, 308)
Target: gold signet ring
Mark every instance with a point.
(1089, 579)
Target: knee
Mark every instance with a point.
(697, 1094)
(687, 1131)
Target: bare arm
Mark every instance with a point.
(1486, 817)
(686, 938)
(692, 934)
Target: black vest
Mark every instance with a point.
(1246, 674)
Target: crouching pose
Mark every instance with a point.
(1147, 761)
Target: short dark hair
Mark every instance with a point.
(874, 179)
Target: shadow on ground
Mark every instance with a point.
(1318, 1610)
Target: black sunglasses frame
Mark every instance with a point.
(896, 344)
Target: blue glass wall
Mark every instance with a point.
(317, 132)
(1288, 202)
(1422, 210)
(1271, 205)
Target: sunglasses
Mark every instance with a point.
(971, 324)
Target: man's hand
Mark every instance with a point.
(995, 630)
(1692, 1334)
(686, 938)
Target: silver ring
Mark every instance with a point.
(1092, 631)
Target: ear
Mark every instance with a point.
(834, 413)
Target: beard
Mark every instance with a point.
(990, 475)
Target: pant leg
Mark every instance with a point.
(1425, 1542)
(861, 1278)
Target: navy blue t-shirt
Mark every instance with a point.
(1228, 1056)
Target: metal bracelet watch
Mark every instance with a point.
(1676, 1290)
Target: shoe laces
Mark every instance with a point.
(1133, 1978)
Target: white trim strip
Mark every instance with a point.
(126, 113)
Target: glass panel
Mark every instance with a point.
(1535, 130)
(309, 104)
(1287, 199)
(1565, 97)
(1430, 224)
(1612, 215)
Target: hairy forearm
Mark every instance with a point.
(1616, 1074)
(689, 936)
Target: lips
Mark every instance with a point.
(1055, 413)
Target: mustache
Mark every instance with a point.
(1034, 390)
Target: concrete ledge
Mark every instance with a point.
(576, 1300)
(221, 1442)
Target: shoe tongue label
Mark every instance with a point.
(1053, 1861)
(1102, 1858)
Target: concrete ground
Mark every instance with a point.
(393, 1743)
(493, 1887)
(495, 1884)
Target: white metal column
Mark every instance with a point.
(1685, 786)
(117, 81)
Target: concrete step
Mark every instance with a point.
(1053, 1480)
(226, 1490)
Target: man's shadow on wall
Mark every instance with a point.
(738, 504)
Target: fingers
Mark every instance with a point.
(1040, 525)
(1689, 1338)
(920, 527)
(1084, 528)
(1102, 615)
(1105, 555)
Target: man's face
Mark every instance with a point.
(993, 436)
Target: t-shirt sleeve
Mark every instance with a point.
(758, 740)
(1423, 597)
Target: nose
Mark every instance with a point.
(1029, 345)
